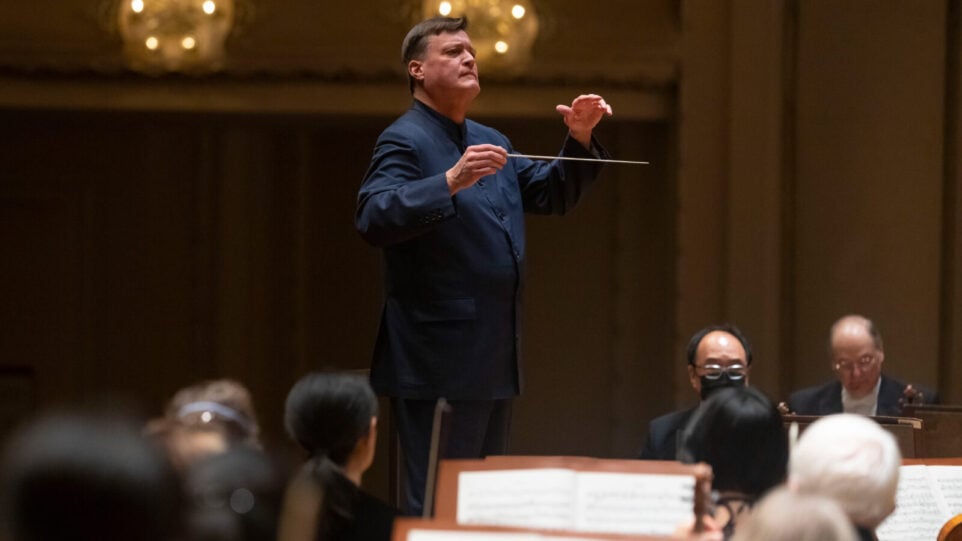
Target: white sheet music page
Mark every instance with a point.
(531, 498)
(548, 537)
(454, 535)
(634, 503)
(920, 509)
(949, 481)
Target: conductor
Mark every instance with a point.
(446, 204)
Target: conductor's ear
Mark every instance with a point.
(416, 70)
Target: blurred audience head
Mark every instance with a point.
(783, 515)
(852, 460)
(186, 445)
(205, 419)
(223, 402)
(86, 476)
(234, 496)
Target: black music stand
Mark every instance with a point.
(439, 444)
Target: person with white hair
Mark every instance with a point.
(783, 515)
(851, 459)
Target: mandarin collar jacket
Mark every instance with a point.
(454, 265)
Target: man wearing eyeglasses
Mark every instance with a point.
(718, 356)
(860, 387)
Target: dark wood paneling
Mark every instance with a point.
(584, 350)
(870, 90)
(41, 287)
(950, 331)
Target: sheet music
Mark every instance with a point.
(949, 481)
(454, 535)
(556, 538)
(535, 498)
(920, 509)
(633, 503)
(562, 499)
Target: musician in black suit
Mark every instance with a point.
(718, 356)
(857, 356)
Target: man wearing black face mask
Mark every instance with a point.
(718, 356)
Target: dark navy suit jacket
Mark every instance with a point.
(454, 266)
(826, 399)
(663, 433)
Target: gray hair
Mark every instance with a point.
(783, 515)
(852, 460)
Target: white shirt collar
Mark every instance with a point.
(867, 405)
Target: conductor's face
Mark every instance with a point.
(447, 68)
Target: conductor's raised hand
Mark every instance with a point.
(583, 115)
(476, 162)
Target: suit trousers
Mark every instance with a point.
(476, 429)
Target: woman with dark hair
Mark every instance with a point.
(739, 433)
(334, 417)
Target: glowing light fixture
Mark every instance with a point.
(175, 35)
(502, 31)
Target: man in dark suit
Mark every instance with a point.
(857, 356)
(718, 356)
(446, 203)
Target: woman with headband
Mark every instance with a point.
(205, 419)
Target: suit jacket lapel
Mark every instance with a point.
(889, 393)
(831, 401)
